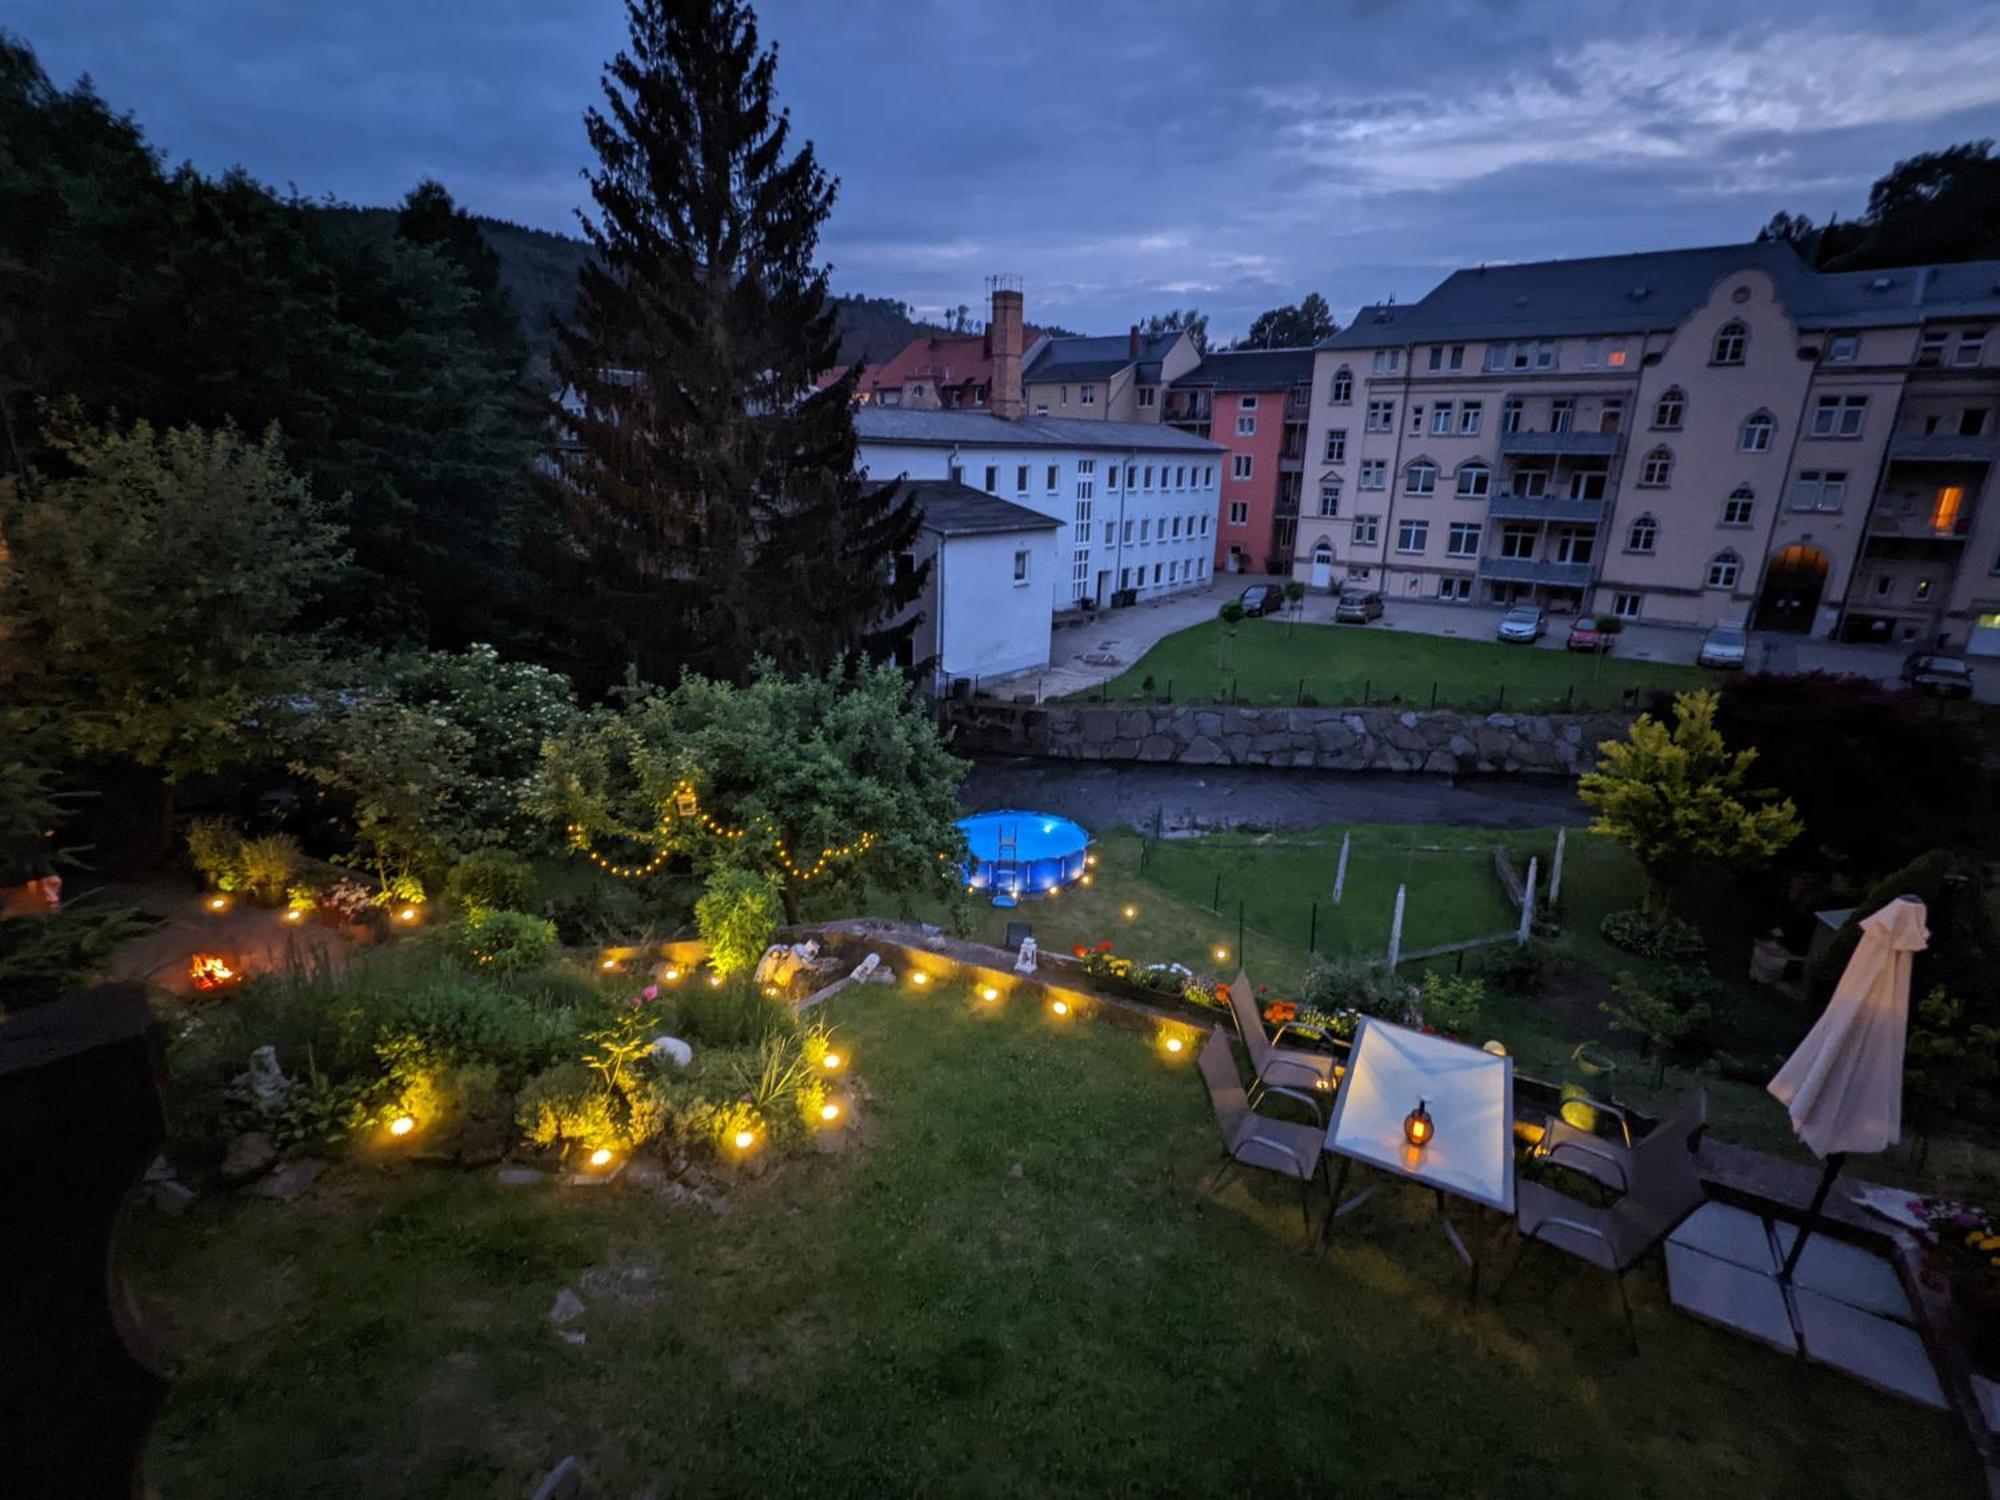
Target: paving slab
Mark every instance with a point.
(1847, 1273)
(1878, 1350)
(1728, 1233)
(1723, 1292)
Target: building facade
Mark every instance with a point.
(1681, 438)
(1120, 378)
(984, 609)
(1254, 404)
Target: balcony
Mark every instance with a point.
(1943, 448)
(1548, 508)
(1187, 407)
(1560, 444)
(1926, 525)
(1559, 575)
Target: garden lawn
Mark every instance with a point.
(1013, 1285)
(1270, 661)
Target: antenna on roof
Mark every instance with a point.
(1002, 283)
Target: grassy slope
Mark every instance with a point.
(1268, 659)
(914, 1318)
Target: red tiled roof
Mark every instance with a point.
(952, 359)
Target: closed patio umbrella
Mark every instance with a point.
(1844, 1083)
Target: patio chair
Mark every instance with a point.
(1272, 1064)
(1606, 1161)
(1662, 1188)
(1253, 1140)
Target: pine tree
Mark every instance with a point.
(715, 494)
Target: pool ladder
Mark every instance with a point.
(1007, 866)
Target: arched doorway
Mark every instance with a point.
(1793, 582)
(1322, 565)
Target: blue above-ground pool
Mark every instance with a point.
(1016, 854)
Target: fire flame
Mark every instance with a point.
(210, 971)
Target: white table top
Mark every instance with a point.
(1468, 1093)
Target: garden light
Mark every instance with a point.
(989, 993)
(608, 965)
(1418, 1127)
(218, 903)
(829, 1112)
(293, 914)
(402, 1125)
(407, 914)
(1221, 953)
(919, 977)
(745, 1139)
(1131, 913)
(715, 981)
(1084, 878)
(600, 1158)
(672, 974)
(1090, 859)
(1060, 1007)
(1174, 1045)
(832, 1061)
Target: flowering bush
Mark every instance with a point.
(1278, 1012)
(346, 900)
(1965, 1235)
(1165, 979)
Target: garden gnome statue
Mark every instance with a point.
(265, 1082)
(1024, 962)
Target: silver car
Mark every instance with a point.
(1524, 622)
(1726, 646)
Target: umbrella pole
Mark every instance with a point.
(1833, 1165)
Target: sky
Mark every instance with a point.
(1119, 158)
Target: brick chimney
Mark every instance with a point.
(1132, 345)
(1004, 337)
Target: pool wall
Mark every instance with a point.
(1017, 853)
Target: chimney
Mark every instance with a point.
(1003, 337)
(1132, 344)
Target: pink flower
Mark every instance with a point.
(651, 992)
(635, 1002)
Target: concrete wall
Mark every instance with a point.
(1330, 739)
(987, 623)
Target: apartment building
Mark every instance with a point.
(1680, 437)
(1137, 499)
(1110, 379)
(1253, 403)
(944, 371)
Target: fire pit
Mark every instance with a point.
(211, 971)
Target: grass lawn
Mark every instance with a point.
(1270, 661)
(1012, 1285)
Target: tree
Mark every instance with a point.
(1659, 1017)
(1299, 327)
(1964, 953)
(1191, 321)
(718, 502)
(157, 587)
(1936, 206)
(1950, 1061)
(1675, 796)
(827, 784)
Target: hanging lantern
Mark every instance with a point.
(684, 800)
(1418, 1127)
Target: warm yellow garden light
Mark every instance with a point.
(1174, 1045)
(1221, 953)
(745, 1139)
(832, 1061)
(672, 975)
(1060, 1007)
(218, 903)
(407, 914)
(608, 964)
(989, 993)
(1084, 878)
(715, 981)
(402, 1125)
(600, 1158)
(829, 1112)
(1131, 913)
(919, 977)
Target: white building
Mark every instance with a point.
(984, 609)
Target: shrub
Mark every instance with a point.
(1335, 984)
(1512, 968)
(504, 942)
(595, 914)
(217, 852)
(267, 866)
(737, 914)
(1650, 1012)
(569, 1105)
(730, 1015)
(1451, 1002)
(1648, 936)
(509, 1026)
(490, 879)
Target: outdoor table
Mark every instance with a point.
(1469, 1095)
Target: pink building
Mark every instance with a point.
(1255, 403)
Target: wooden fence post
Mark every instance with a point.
(1556, 873)
(1396, 929)
(1340, 874)
(1527, 906)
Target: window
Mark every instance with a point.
(1087, 395)
(1412, 535)
(1517, 541)
(1420, 478)
(1367, 530)
(1930, 348)
(1532, 354)
(1562, 414)
(1341, 393)
(1839, 416)
(1246, 426)
(1239, 513)
(1149, 476)
(1146, 395)
(1737, 509)
(1323, 551)
(1176, 528)
(1173, 572)
(1730, 341)
(1842, 349)
(1079, 572)
(1656, 469)
(1131, 476)
(992, 479)
(1180, 477)
(1576, 544)
(1644, 534)
(1614, 357)
(1670, 408)
(1052, 478)
(1587, 484)
(1021, 479)
(1723, 570)
(1124, 578)
(1062, 395)
(1387, 361)
(1923, 591)
(1819, 489)
(1972, 422)
(1475, 480)
(1110, 532)
(1374, 473)
(1128, 533)
(1416, 421)
(1239, 466)
(1625, 606)
(1437, 356)
(1146, 530)
(1336, 445)
(1611, 414)
(1510, 414)
(1455, 586)
(1204, 525)
(1021, 566)
(1531, 484)
(1441, 423)
(1381, 416)
(1246, 403)
(1971, 345)
(1329, 499)
(1157, 570)
(1468, 419)
(1754, 436)
(1462, 540)
(1457, 359)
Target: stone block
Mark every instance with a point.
(1203, 751)
(1157, 747)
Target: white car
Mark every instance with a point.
(1524, 622)
(1724, 646)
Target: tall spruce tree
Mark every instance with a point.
(715, 493)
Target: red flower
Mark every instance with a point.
(1105, 946)
(1080, 951)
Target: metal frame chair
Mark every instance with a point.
(1317, 1071)
(1253, 1140)
(1606, 1162)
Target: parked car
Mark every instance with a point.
(1357, 607)
(1585, 634)
(1262, 599)
(1726, 646)
(1946, 676)
(1524, 622)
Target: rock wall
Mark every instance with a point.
(1327, 739)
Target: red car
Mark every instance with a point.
(1586, 635)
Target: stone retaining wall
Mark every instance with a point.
(1327, 739)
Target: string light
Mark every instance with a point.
(687, 806)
